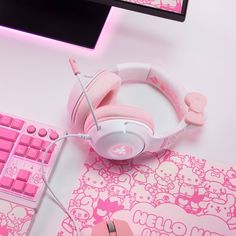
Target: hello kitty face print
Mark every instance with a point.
(140, 193)
(188, 176)
(164, 193)
(91, 179)
(121, 187)
(167, 171)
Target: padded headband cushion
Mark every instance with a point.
(157, 78)
(101, 90)
(120, 112)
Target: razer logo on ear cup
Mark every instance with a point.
(196, 103)
(121, 150)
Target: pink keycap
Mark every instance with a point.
(17, 124)
(6, 145)
(30, 190)
(6, 120)
(42, 132)
(25, 140)
(8, 134)
(1, 167)
(47, 158)
(32, 153)
(31, 129)
(37, 143)
(3, 156)
(18, 186)
(21, 150)
(45, 145)
(23, 175)
(54, 135)
(6, 182)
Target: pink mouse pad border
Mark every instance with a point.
(157, 194)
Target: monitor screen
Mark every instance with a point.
(59, 19)
(170, 9)
(168, 5)
(68, 21)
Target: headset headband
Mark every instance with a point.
(146, 73)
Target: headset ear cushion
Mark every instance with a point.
(111, 112)
(102, 89)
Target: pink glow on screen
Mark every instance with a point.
(59, 45)
(168, 5)
(37, 39)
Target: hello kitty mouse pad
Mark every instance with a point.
(157, 194)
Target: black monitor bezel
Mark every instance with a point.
(148, 10)
(56, 20)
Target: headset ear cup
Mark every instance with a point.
(111, 112)
(101, 89)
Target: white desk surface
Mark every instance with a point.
(200, 54)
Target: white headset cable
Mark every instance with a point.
(78, 75)
(60, 204)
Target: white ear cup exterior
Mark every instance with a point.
(115, 140)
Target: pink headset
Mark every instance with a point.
(122, 132)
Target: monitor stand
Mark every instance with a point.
(77, 22)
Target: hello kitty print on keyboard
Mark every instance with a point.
(23, 143)
(168, 5)
(158, 194)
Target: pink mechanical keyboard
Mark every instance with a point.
(22, 145)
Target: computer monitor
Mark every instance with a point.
(77, 22)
